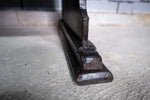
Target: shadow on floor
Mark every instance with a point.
(6, 31)
(17, 95)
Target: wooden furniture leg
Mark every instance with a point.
(84, 61)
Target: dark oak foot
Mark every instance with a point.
(85, 63)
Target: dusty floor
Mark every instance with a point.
(33, 64)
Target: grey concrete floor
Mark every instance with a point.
(33, 65)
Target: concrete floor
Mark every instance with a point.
(33, 64)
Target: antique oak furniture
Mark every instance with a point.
(84, 61)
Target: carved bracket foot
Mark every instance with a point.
(85, 63)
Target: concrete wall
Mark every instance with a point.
(120, 6)
(116, 6)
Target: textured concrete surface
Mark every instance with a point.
(126, 8)
(8, 18)
(33, 64)
(39, 18)
(101, 6)
(45, 18)
(141, 8)
(119, 19)
(32, 18)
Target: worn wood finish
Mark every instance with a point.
(85, 63)
(75, 15)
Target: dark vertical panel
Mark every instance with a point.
(75, 16)
(6, 4)
(39, 4)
